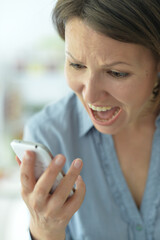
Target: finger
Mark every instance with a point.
(27, 172)
(48, 178)
(18, 161)
(74, 203)
(64, 188)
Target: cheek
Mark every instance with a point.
(134, 93)
(72, 80)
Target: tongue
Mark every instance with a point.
(107, 114)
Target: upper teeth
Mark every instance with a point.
(99, 108)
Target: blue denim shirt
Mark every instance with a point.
(109, 211)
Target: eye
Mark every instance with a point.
(118, 74)
(77, 66)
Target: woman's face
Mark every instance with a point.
(113, 80)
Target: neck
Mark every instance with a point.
(143, 125)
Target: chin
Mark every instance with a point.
(113, 129)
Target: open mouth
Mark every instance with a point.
(104, 115)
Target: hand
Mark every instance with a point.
(50, 214)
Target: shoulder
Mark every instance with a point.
(55, 113)
(55, 123)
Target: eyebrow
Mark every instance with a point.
(105, 65)
(73, 57)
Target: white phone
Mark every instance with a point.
(43, 158)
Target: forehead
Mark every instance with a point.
(82, 40)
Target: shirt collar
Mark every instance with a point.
(158, 121)
(85, 123)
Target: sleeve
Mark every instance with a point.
(68, 236)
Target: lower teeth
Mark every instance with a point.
(105, 120)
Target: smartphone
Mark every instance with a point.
(43, 158)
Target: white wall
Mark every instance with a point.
(22, 23)
(25, 30)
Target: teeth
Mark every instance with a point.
(105, 120)
(99, 109)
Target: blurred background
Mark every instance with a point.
(31, 76)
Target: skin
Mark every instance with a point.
(87, 54)
(94, 83)
(50, 214)
(91, 62)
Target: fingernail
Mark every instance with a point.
(59, 161)
(78, 163)
(26, 156)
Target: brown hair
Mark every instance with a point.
(132, 21)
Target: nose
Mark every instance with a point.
(93, 90)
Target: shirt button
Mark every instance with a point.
(139, 227)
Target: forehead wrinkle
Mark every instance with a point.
(85, 44)
(84, 50)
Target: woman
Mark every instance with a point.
(111, 121)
